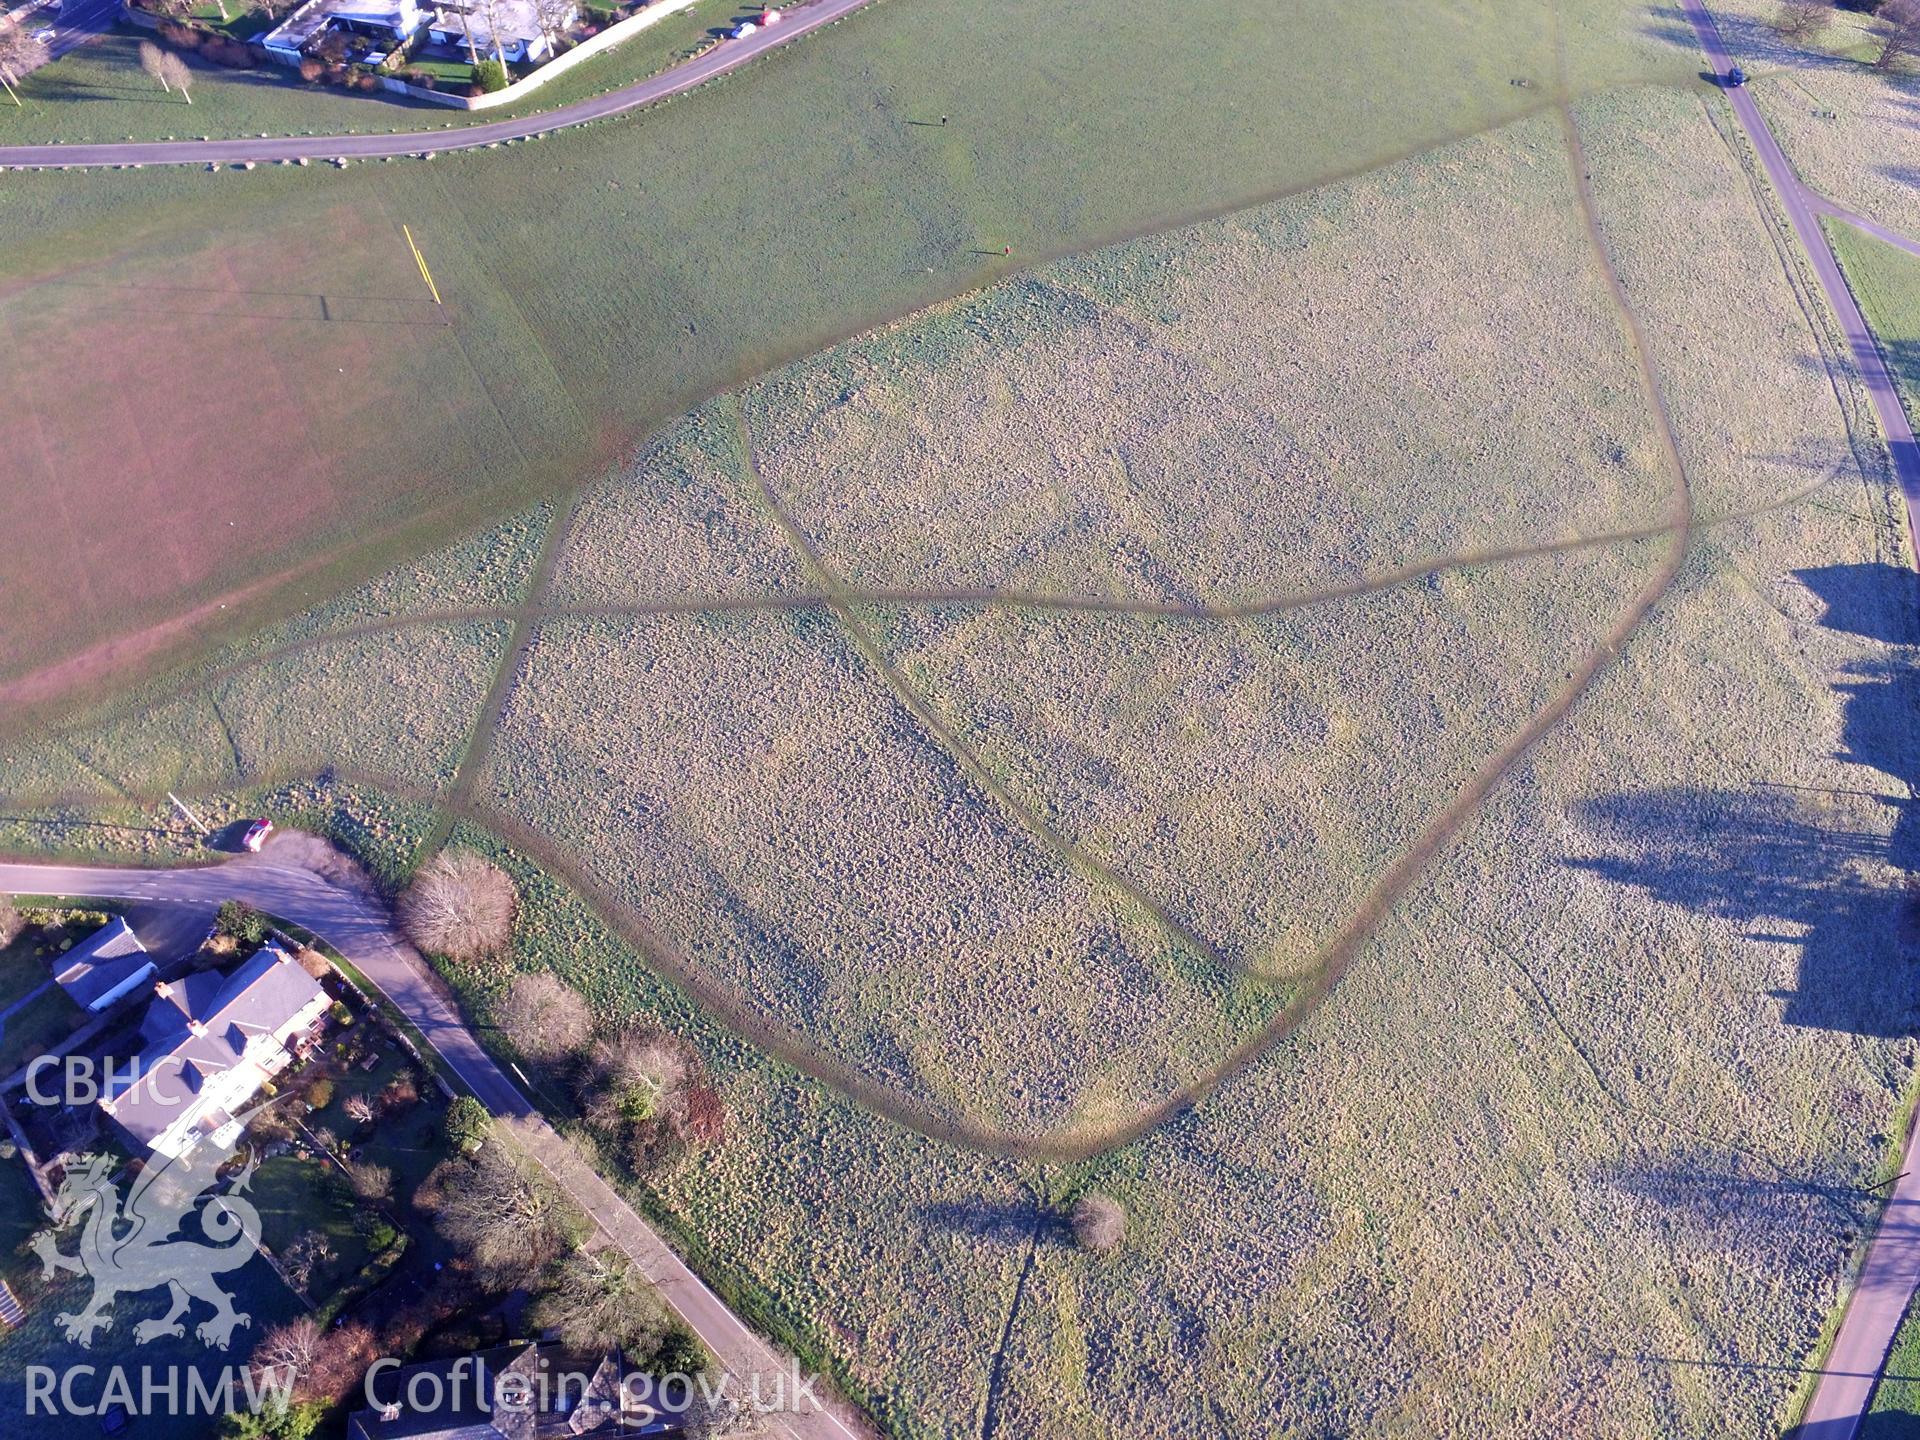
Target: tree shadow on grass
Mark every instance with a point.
(1005, 1222)
(62, 91)
(1749, 38)
(1885, 1425)
(1825, 862)
(1747, 1208)
(1778, 856)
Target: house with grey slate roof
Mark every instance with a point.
(104, 967)
(212, 1040)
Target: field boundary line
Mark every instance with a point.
(42, 701)
(963, 754)
(951, 599)
(513, 651)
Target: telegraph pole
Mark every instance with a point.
(192, 818)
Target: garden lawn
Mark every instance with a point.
(241, 21)
(257, 1292)
(295, 1197)
(449, 73)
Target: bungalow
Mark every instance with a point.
(512, 30)
(212, 1041)
(383, 23)
(107, 965)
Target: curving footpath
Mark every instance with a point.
(356, 924)
(1892, 1269)
(726, 56)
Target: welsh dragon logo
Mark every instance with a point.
(142, 1241)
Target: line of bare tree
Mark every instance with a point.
(168, 69)
(1896, 25)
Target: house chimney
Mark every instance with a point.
(390, 1412)
(163, 990)
(197, 1028)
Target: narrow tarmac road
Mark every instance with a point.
(74, 24)
(728, 55)
(356, 924)
(1892, 1270)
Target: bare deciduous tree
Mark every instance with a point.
(269, 1126)
(552, 16)
(459, 905)
(1099, 1224)
(19, 53)
(465, 12)
(305, 1255)
(633, 1077)
(1802, 20)
(400, 1093)
(649, 1090)
(727, 1417)
(359, 1109)
(10, 922)
(500, 1212)
(291, 1350)
(371, 1183)
(322, 1364)
(343, 1357)
(1897, 23)
(491, 9)
(177, 75)
(544, 1017)
(598, 1300)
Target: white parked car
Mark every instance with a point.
(44, 35)
(744, 29)
(770, 17)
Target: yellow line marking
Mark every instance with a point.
(421, 261)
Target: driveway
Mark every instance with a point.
(357, 925)
(1892, 1268)
(728, 55)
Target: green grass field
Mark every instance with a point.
(584, 314)
(1886, 283)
